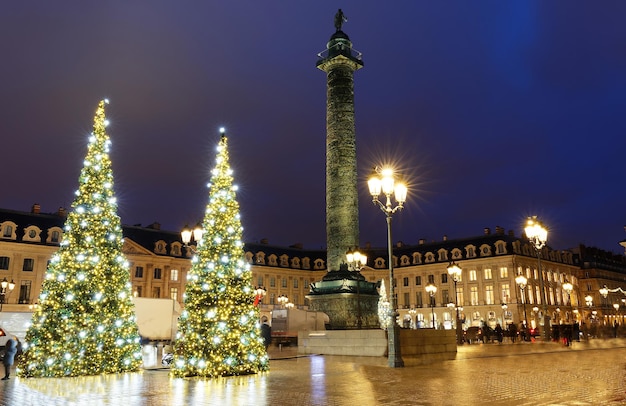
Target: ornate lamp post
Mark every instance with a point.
(521, 282)
(7, 287)
(604, 291)
(383, 181)
(538, 235)
(259, 293)
(432, 289)
(356, 262)
(282, 300)
(188, 235)
(568, 287)
(455, 272)
(589, 303)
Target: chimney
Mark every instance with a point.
(155, 226)
(297, 245)
(421, 241)
(511, 233)
(264, 241)
(35, 209)
(487, 231)
(499, 230)
(62, 212)
(445, 238)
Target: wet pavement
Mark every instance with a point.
(589, 373)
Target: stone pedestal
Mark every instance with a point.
(348, 299)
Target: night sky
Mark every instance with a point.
(493, 111)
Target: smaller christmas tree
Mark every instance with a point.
(85, 322)
(219, 332)
(383, 307)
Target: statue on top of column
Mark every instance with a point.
(340, 18)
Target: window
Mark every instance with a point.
(406, 299)
(296, 299)
(472, 275)
(474, 295)
(272, 282)
(445, 296)
(139, 272)
(506, 293)
(4, 262)
(8, 232)
(431, 278)
(487, 272)
(157, 274)
(174, 275)
(272, 298)
(55, 236)
(418, 280)
(29, 264)
(504, 272)
(489, 295)
(156, 291)
(418, 299)
(283, 282)
(459, 296)
(259, 281)
(295, 283)
(444, 278)
(537, 294)
(25, 287)
(405, 281)
(138, 291)
(174, 293)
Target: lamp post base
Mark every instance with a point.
(393, 341)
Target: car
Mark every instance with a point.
(4, 336)
(473, 334)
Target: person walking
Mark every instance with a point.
(266, 333)
(10, 349)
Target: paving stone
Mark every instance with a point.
(519, 374)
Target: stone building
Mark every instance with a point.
(490, 262)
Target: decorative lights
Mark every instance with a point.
(218, 332)
(65, 337)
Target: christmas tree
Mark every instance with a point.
(218, 332)
(384, 319)
(85, 322)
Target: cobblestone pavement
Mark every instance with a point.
(496, 374)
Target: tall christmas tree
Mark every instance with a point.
(85, 322)
(218, 332)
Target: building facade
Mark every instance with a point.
(486, 292)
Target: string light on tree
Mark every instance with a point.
(84, 323)
(219, 332)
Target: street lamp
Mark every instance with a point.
(538, 235)
(568, 287)
(259, 293)
(356, 262)
(589, 302)
(432, 289)
(282, 300)
(521, 282)
(188, 235)
(455, 272)
(7, 287)
(382, 180)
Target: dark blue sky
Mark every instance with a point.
(493, 110)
